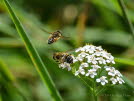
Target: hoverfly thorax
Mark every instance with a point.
(54, 37)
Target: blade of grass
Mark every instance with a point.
(128, 82)
(0, 97)
(5, 72)
(10, 43)
(124, 11)
(125, 61)
(9, 79)
(34, 55)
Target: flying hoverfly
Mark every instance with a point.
(55, 36)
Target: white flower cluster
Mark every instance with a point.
(65, 65)
(115, 75)
(94, 55)
(93, 61)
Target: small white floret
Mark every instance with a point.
(114, 81)
(65, 65)
(120, 80)
(91, 73)
(80, 71)
(84, 65)
(102, 80)
(95, 67)
(118, 73)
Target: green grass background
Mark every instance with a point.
(104, 26)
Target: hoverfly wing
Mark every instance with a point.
(70, 51)
(64, 37)
(45, 31)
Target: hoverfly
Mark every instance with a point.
(62, 57)
(55, 36)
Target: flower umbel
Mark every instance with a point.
(95, 63)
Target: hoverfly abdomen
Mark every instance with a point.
(50, 41)
(69, 59)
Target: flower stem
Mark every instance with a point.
(85, 83)
(124, 11)
(95, 96)
(94, 92)
(100, 91)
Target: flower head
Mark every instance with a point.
(94, 62)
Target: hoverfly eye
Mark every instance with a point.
(57, 57)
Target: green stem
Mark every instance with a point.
(94, 91)
(91, 89)
(40, 67)
(124, 11)
(100, 91)
(95, 96)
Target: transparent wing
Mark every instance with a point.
(45, 31)
(64, 37)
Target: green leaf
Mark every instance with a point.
(5, 72)
(0, 98)
(125, 61)
(128, 82)
(34, 55)
(8, 80)
(10, 43)
(113, 6)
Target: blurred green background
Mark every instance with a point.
(98, 22)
